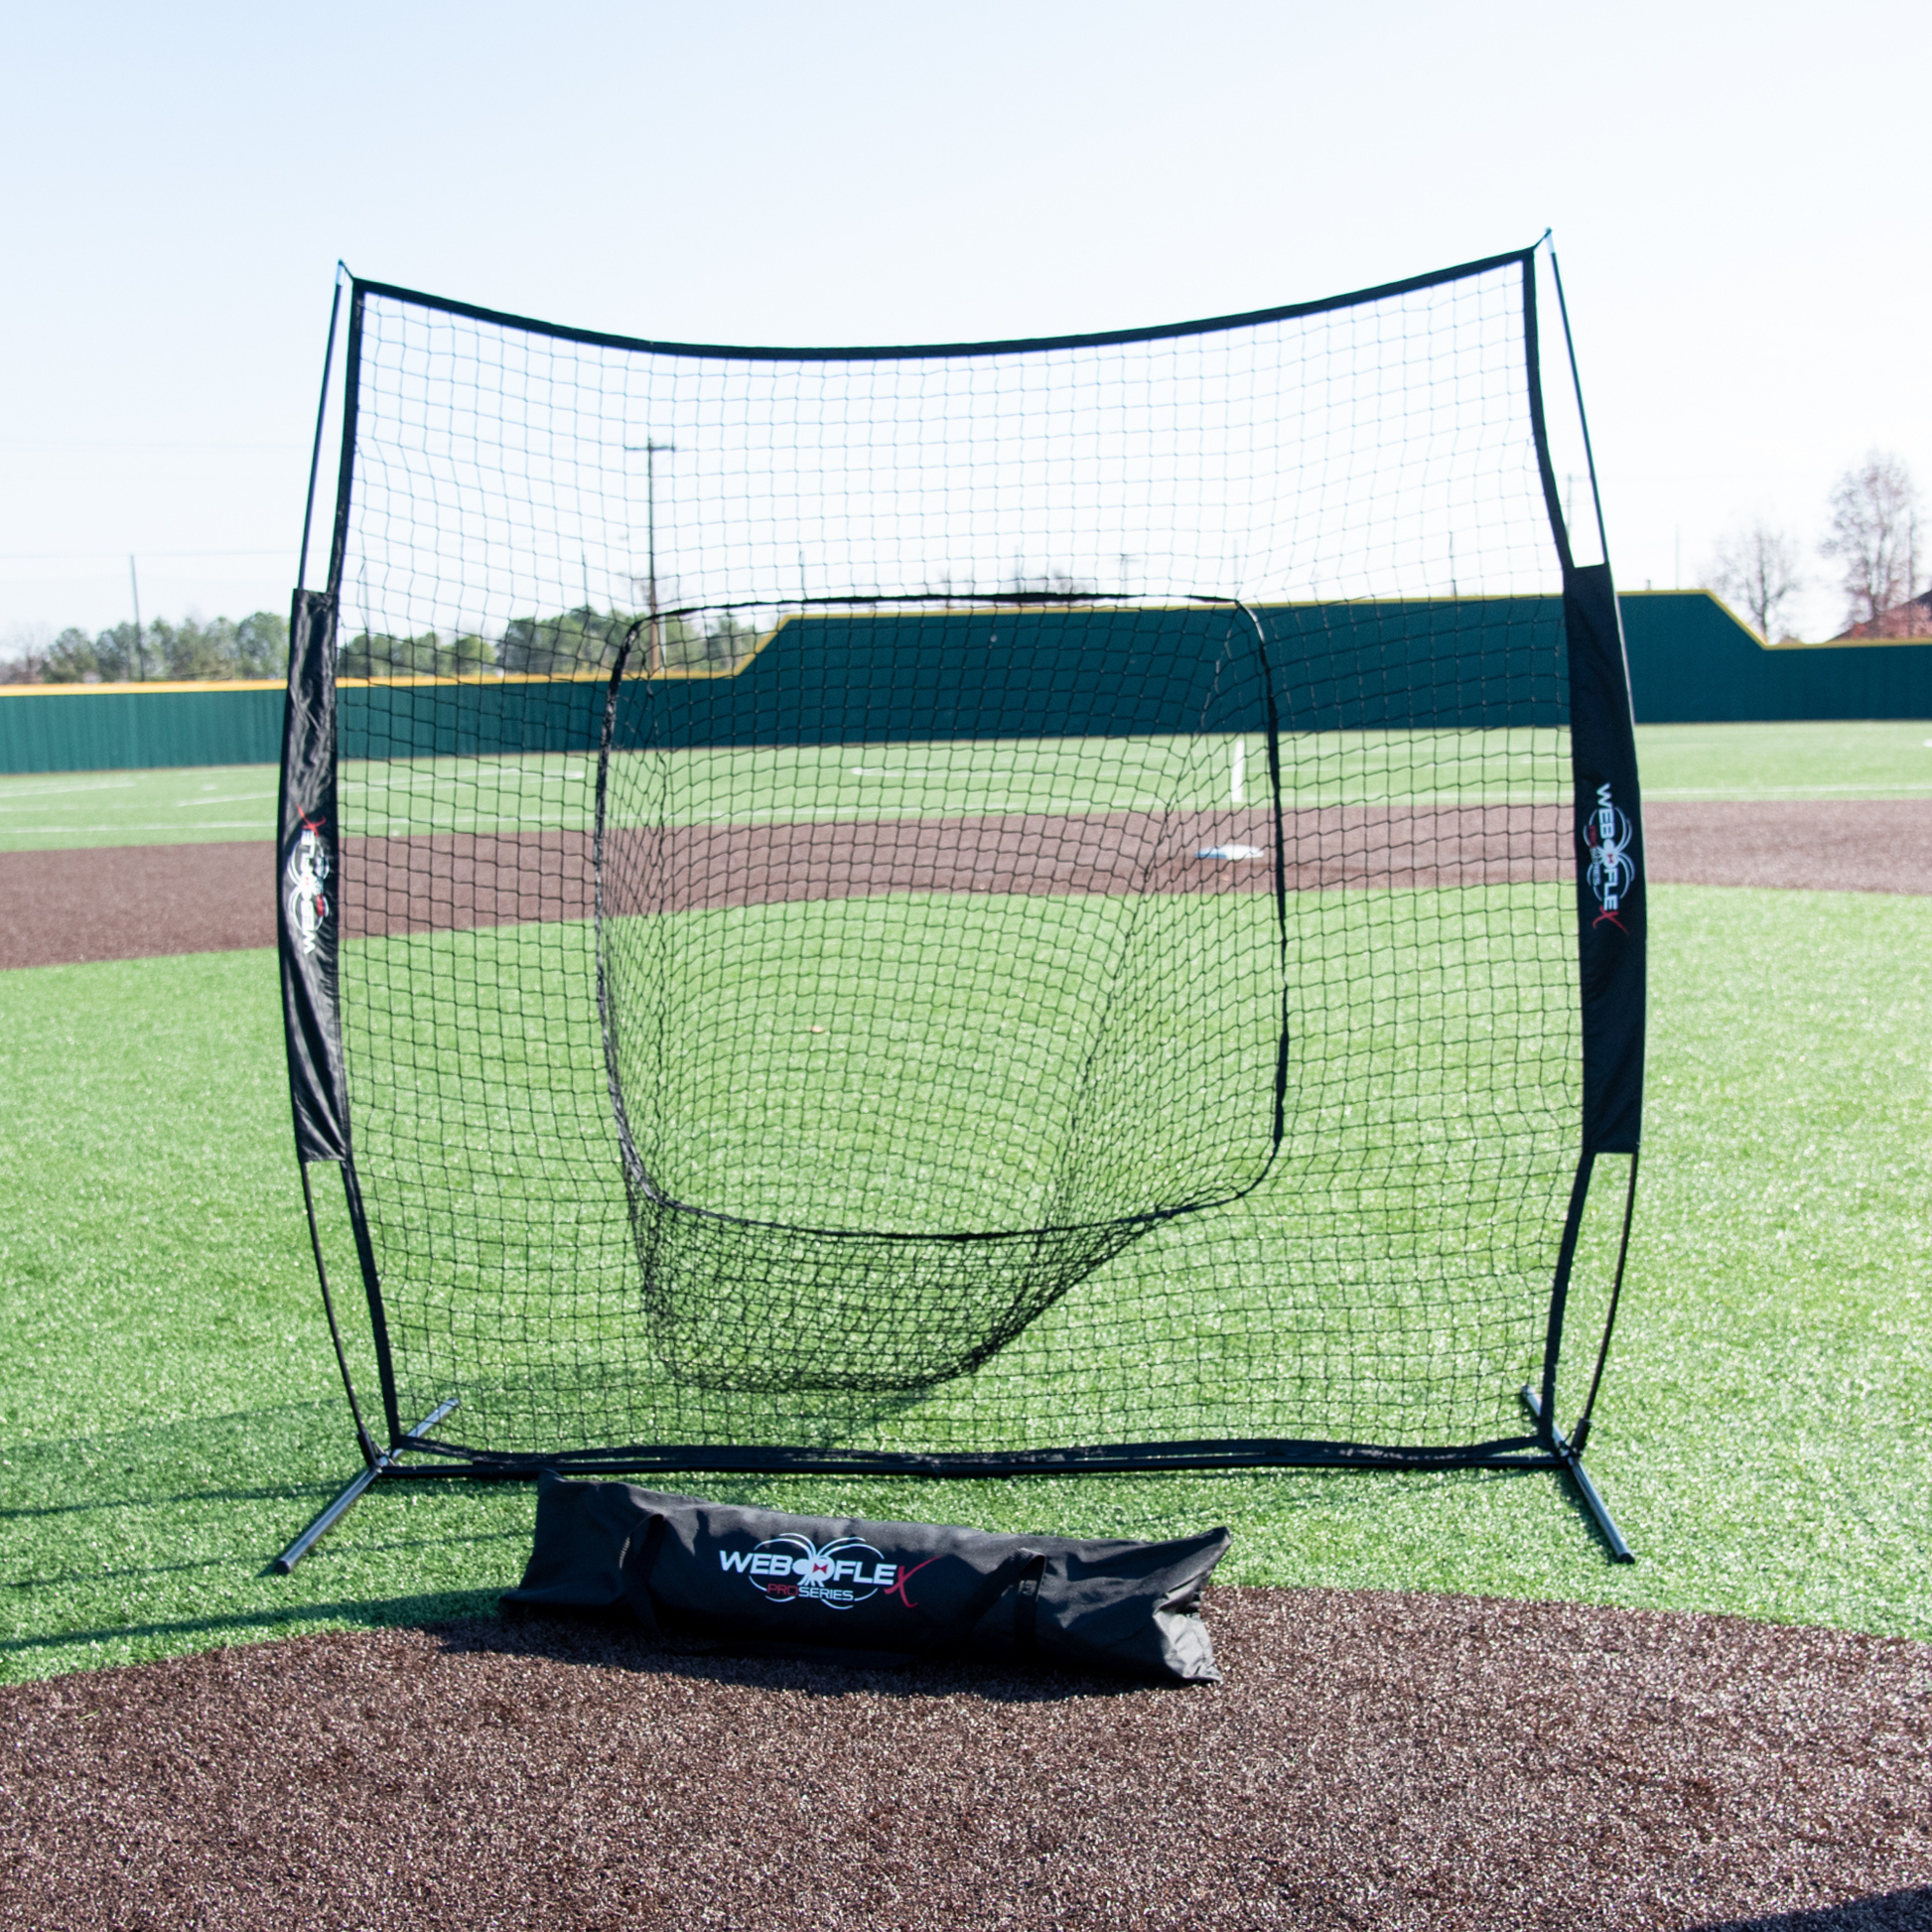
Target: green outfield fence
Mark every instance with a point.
(1691, 662)
(138, 727)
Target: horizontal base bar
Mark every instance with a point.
(1507, 1453)
(1544, 1450)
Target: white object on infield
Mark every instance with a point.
(1229, 852)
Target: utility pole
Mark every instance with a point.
(140, 656)
(653, 450)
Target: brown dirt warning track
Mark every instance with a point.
(1381, 1762)
(142, 901)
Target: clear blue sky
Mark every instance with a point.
(1738, 193)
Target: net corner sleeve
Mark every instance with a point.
(1612, 887)
(308, 895)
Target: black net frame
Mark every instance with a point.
(1292, 1247)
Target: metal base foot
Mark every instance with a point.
(384, 1465)
(1572, 1465)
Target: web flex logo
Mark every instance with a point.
(790, 1569)
(304, 879)
(1612, 869)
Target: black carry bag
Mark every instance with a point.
(870, 1592)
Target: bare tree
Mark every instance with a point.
(1878, 542)
(23, 653)
(1757, 570)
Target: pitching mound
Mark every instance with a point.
(1372, 1761)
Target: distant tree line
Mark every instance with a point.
(255, 646)
(572, 642)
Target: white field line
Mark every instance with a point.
(48, 792)
(172, 825)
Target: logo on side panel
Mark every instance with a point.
(304, 879)
(792, 1568)
(1612, 871)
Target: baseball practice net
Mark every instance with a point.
(1047, 904)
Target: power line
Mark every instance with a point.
(53, 448)
(154, 556)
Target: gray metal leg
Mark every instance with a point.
(1573, 1464)
(384, 1465)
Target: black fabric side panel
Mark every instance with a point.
(306, 896)
(1610, 882)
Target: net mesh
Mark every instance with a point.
(959, 902)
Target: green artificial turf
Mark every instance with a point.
(921, 1063)
(557, 791)
(184, 806)
(51, 811)
(169, 1413)
(1858, 759)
